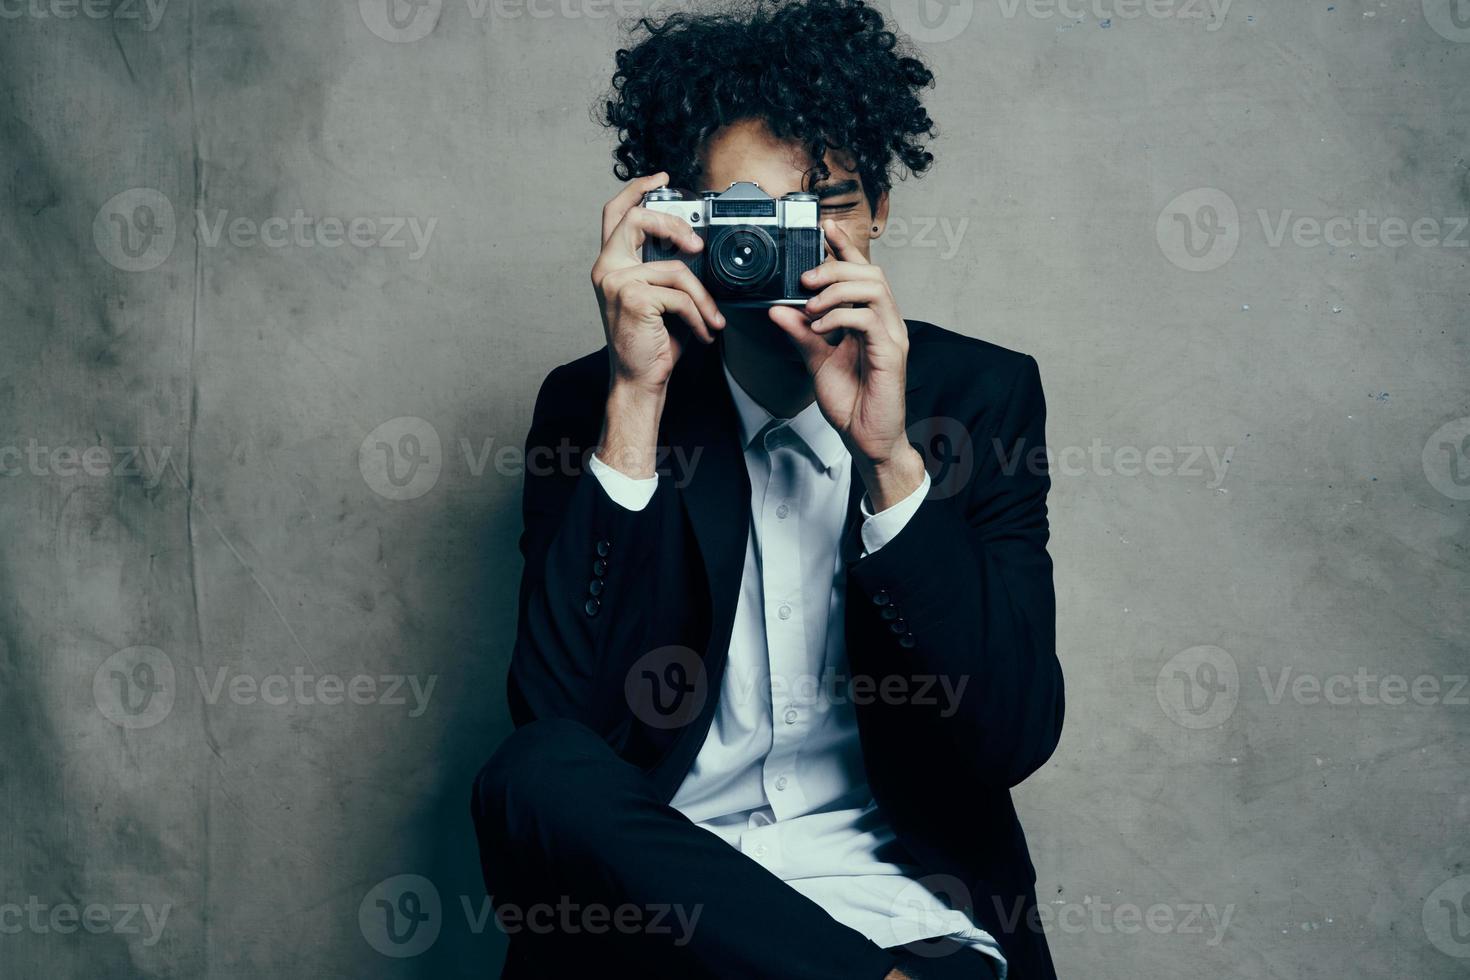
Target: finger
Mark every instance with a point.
(794, 324)
(631, 194)
(859, 319)
(623, 249)
(640, 223)
(844, 247)
(827, 273)
(676, 302)
(676, 275)
(865, 291)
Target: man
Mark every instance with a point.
(771, 701)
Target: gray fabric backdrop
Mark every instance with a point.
(280, 281)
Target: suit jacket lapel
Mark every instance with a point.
(702, 426)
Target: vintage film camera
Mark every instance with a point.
(755, 246)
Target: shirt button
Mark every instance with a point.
(791, 716)
(783, 512)
(760, 850)
(781, 782)
(784, 612)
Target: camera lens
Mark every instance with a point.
(742, 259)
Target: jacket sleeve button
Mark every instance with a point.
(591, 606)
(907, 641)
(880, 598)
(603, 547)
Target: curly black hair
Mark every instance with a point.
(826, 73)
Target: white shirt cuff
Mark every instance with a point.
(627, 492)
(879, 529)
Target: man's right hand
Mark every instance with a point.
(634, 298)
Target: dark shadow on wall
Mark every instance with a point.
(480, 618)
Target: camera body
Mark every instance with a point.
(755, 246)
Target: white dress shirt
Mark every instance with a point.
(780, 774)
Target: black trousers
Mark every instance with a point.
(591, 874)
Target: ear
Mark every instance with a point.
(880, 215)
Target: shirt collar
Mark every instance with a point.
(809, 425)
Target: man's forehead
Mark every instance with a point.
(749, 151)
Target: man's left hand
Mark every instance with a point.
(856, 344)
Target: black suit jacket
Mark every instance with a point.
(964, 593)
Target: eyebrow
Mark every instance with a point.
(835, 190)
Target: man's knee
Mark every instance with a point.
(545, 771)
